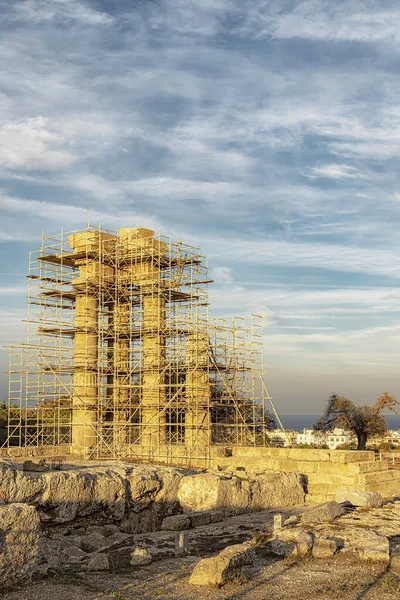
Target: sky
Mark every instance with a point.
(265, 131)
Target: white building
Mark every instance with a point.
(332, 439)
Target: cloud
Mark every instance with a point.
(358, 21)
(334, 171)
(52, 213)
(31, 145)
(222, 275)
(35, 11)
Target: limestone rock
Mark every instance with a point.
(368, 544)
(140, 522)
(97, 529)
(359, 498)
(323, 513)
(281, 548)
(140, 557)
(93, 542)
(304, 543)
(38, 466)
(324, 548)
(61, 496)
(200, 518)
(278, 522)
(395, 561)
(176, 523)
(143, 485)
(216, 516)
(19, 543)
(72, 555)
(98, 562)
(275, 488)
(111, 529)
(210, 491)
(223, 568)
(378, 550)
(293, 520)
(116, 538)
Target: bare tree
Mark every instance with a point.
(363, 420)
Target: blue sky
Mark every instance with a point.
(268, 132)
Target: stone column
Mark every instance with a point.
(84, 400)
(153, 384)
(198, 418)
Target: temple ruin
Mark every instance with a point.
(122, 359)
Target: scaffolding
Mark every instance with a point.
(122, 359)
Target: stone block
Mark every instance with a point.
(181, 544)
(324, 548)
(304, 543)
(278, 522)
(98, 562)
(200, 518)
(359, 498)
(19, 543)
(223, 568)
(323, 513)
(176, 523)
(140, 557)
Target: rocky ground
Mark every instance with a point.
(339, 578)
(140, 532)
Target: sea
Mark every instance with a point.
(300, 422)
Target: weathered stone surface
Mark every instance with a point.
(19, 541)
(140, 557)
(395, 561)
(38, 466)
(293, 520)
(200, 518)
(304, 543)
(323, 513)
(278, 522)
(97, 529)
(281, 547)
(93, 542)
(72, 555)
(98, 562)
(210, 491)
(324, 548)
(176, 523)
(140, 522)
(368, 544)
(61, 496)
(143, 485)
(274, 488)
(111, 529)
(223, 568)
(359, 498)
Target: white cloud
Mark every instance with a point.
(335, 257)
(31, 144)
(358, 21)
(60, 10)
(222, 275)
(334, 171)
(51, 214)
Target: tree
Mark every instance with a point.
(3, 422)
(363, 420)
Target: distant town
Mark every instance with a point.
(337, 439)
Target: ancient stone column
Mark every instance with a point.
(93, 274)
(198, 419)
